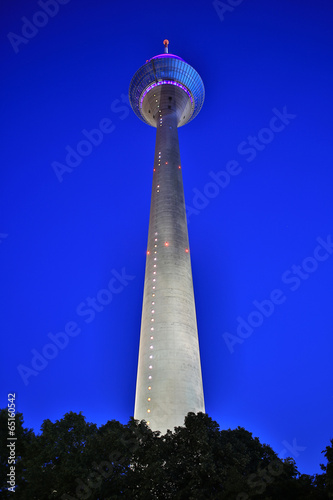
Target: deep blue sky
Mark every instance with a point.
(62, 242)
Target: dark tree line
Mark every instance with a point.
(72, 459)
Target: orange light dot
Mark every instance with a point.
(186, 250)
(179, 166)
(154, 169)
(166, 162)
(166, 243)
(148, 252)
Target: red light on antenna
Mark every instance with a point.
(166, 243)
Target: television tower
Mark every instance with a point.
(167, 93)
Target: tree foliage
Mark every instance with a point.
(328, 453)
(72, 459)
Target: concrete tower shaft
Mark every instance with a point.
(169, 380)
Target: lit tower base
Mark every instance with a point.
(167, 93)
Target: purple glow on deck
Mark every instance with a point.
(165, 82)
(166, 55)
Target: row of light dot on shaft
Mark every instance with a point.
(152, 319)
(160, 112)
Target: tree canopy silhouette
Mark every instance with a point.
(73, 459)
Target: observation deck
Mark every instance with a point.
(166, 84)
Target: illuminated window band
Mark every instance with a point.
(165, 82)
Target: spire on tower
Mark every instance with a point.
(166, 49)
